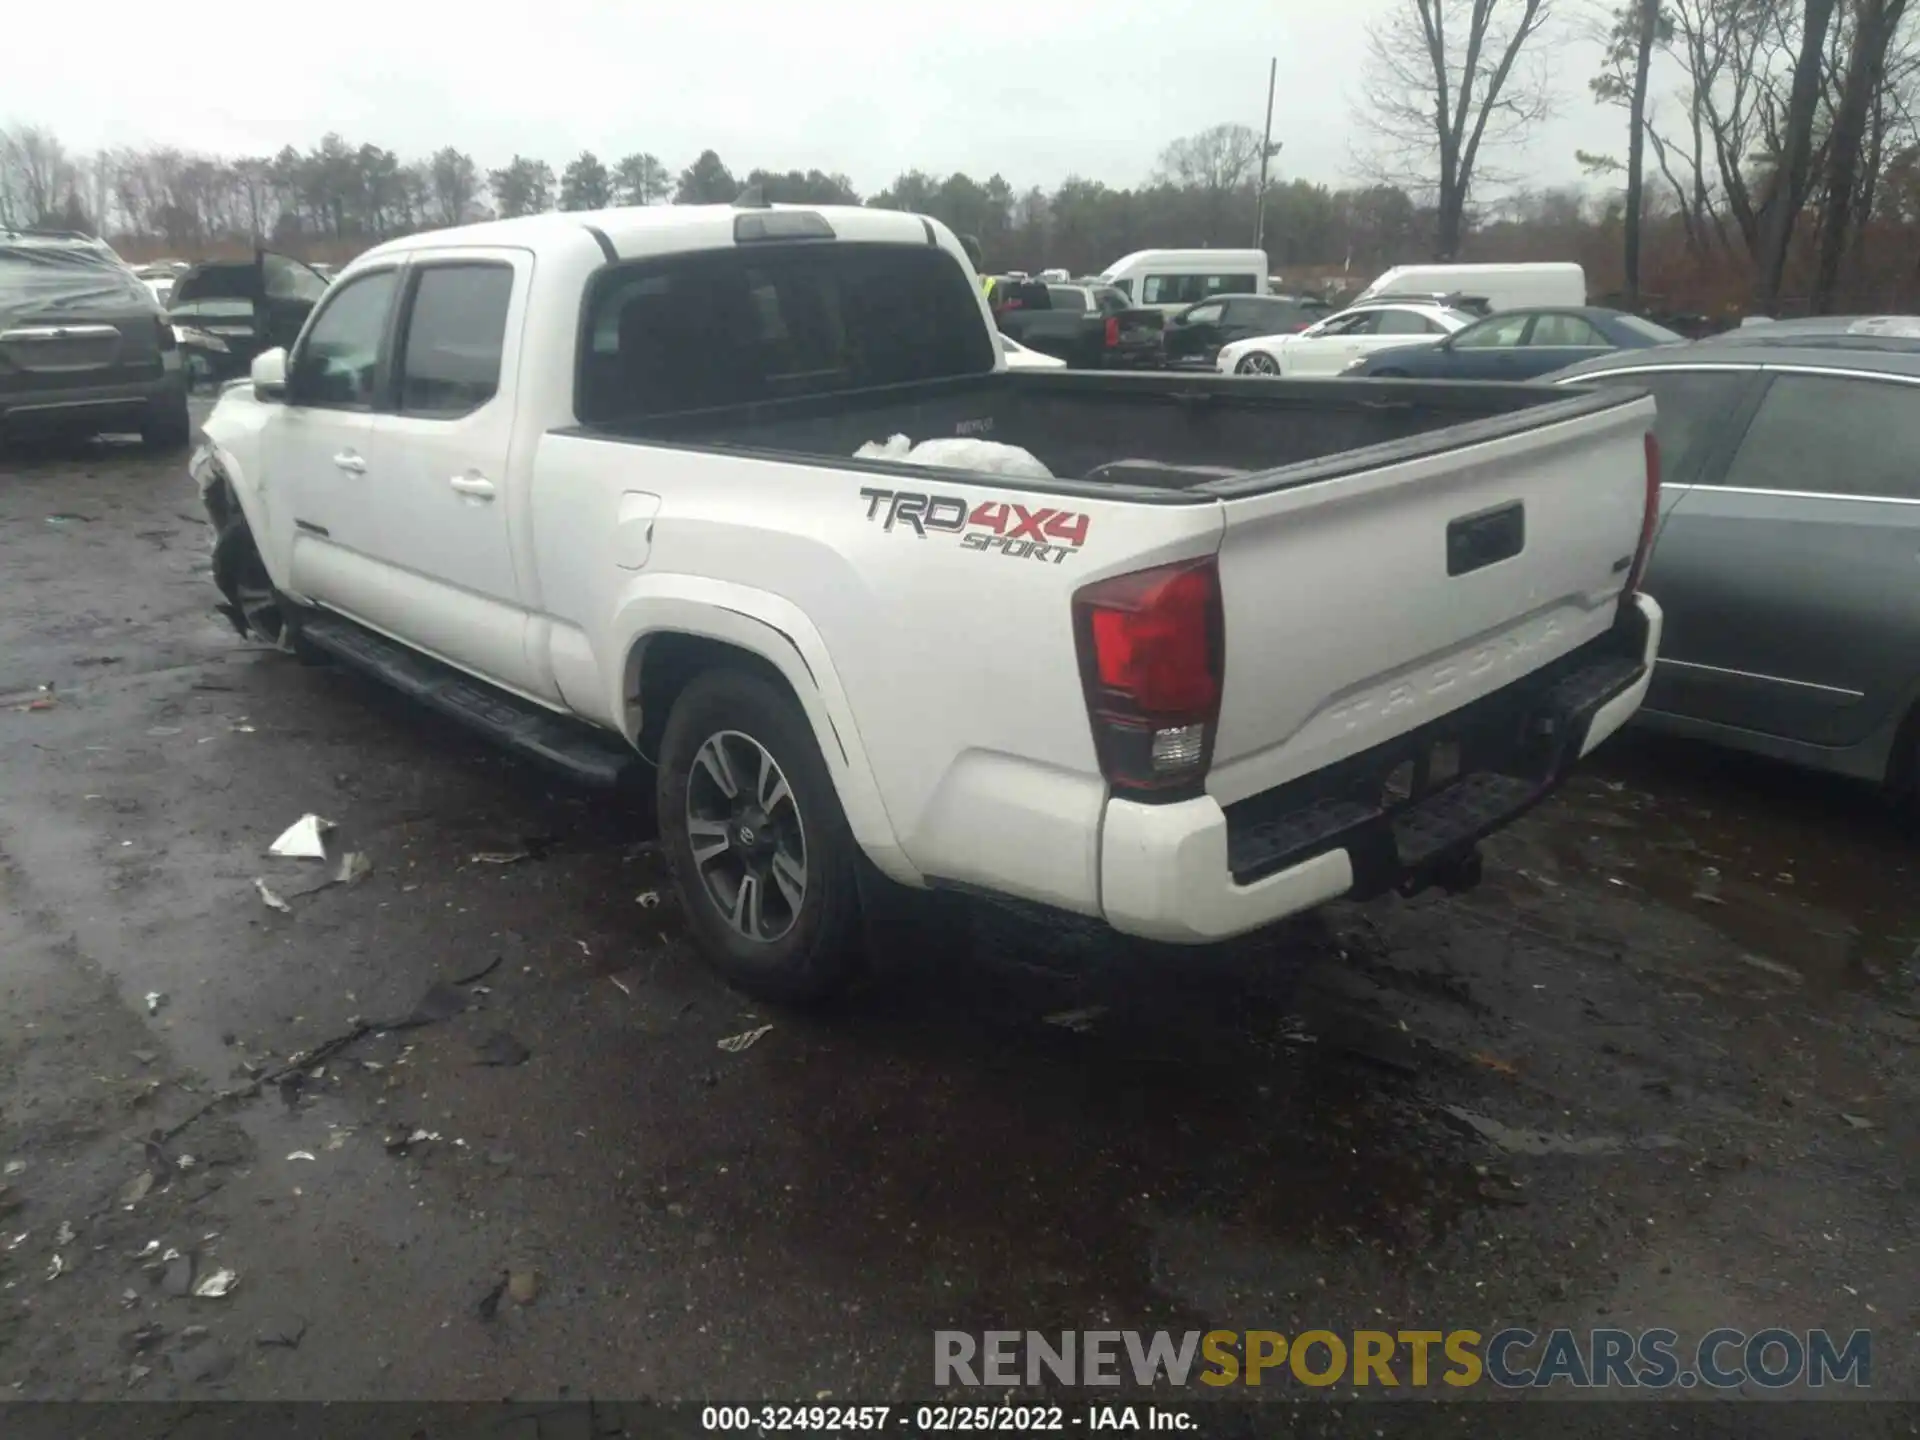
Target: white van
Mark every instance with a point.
(1175, 279)
(1503, 287)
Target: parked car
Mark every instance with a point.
(1329, 346)
(1090, 327)
(228, 311)
(1517, 345)
(1790, 517)
(84, 346)
(1193, 336)
(588, 483)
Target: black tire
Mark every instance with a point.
(167, 426)
(782, 952)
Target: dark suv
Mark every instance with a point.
(84, 346)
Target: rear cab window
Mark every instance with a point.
(752, 323)
(1067, 297)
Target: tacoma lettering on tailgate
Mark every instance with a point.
(998, 527)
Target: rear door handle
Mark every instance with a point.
(478, 486)
(347, 460)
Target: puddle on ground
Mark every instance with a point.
(1809, 875)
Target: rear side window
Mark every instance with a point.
(1566, 332)
(456, 327)
(1112, 301)
(1405, 322)
(1691, 403)
(1835, 436)
(770, 322)
(1066, 297)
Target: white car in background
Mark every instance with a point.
(1019, 357)
(1330, 345)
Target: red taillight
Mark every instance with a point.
(1151, 645)
(1649, 516)
(1113, 331)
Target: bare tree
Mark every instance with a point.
(1446, 84)
(1216, 163)
(1787, 193)
(1637, 28)
(1875, 23)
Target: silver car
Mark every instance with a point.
(1788, 541)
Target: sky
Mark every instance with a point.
(1036, 91)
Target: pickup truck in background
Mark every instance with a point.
(586, 482)
(1090, 327)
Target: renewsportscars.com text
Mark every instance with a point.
(1512, 1358)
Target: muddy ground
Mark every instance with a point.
(1695, 973)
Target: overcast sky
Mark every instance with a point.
(1036, 89)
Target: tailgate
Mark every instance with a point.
(1360, 607)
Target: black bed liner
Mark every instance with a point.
(1178, 438)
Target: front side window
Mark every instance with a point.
(1206, 314)
(1357, 324)
(1501, 333)
(336, 362)
(1834, 435)
(756, 323)
(456, 328)
(282, 278)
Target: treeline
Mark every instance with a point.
(1202, 192)
(1769, 160)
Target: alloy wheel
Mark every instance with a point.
(748, 839)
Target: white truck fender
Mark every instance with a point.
(776, 631)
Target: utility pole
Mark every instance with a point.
(1267, 151)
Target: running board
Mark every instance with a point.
(585, 754)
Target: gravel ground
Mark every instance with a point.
(1693, 975)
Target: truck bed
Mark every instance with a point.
(1158, 436)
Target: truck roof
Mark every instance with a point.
(636, 231)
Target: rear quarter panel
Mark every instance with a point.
(951, 640)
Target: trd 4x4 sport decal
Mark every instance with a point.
(999, 527)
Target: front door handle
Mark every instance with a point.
(478, 486)
(347, 460)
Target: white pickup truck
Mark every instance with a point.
(588, 483)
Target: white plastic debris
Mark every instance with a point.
(271, 897)
(64, 1235)
(352, 869)
(734, 1044)
(154, 1001)
(301, 1155)
(13, 1167)
(148, 1250)
(217, 1285)
(958, 452)
(647, 899)
(56, 1268)
(302, 840)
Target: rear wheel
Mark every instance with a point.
(762, 858)
(1258, 363)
